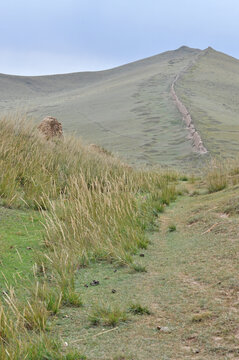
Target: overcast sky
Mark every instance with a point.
(60, 36)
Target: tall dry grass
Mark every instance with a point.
(220, 173)
(93, 207)
(89, 200)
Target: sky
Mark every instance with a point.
(60, 36)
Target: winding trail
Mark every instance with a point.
(193, 133)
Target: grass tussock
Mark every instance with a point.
(231, 206)
(107, 315)
(138, 267)
(138, 309)
(197, 318)
(217, 178)
(93, 207)
(22, 333)
(172, 228)
(221, 173)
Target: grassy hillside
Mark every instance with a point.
(128, 110)
(89, 261)
(210, 90)
(63, 207)
(101, 260)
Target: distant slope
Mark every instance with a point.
(210, 91)
(129, 109)
(132, 110)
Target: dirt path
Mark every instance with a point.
(193, 133)
(191, 288)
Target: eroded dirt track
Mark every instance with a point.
(193, 133)
(190, 287)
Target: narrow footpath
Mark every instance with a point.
(191, 288)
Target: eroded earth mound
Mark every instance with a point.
(50, 128)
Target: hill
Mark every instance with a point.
(130, 110)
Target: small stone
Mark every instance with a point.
(94, 283)
(113, 291)
(66, 316)
(65, 344)
(164, 329)
(29, 248)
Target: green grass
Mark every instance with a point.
(201, 316)
(172, 228)
(21, 238)
(41, 347)
(72, 298)
(138, 267)
(138, 309)
(107, 315)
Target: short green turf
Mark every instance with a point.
(20, 239)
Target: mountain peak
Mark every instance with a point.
(184, 48)
(209, 49)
